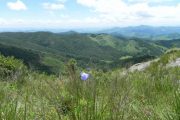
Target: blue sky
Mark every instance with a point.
(88, 13)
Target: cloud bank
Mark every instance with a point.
(18, 5)
(117, 11)
(98, 13)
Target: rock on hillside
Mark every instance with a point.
(144, 65)
(140, 66)
(174, 63)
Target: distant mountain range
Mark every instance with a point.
(146, 32)
(46, 51)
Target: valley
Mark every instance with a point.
(46, 51)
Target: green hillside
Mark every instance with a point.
(169, 43)
(47, 51)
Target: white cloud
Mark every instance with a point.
(49, 23)
(2, 21)
(53, 6)
(107, 13)
(18, 5)
(118, 12)
(58, 5)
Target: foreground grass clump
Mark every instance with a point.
(11, 68)
(153, 94)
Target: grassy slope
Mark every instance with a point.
(152, 94)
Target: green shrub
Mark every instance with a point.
(10, 68)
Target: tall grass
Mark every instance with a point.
(153, 94)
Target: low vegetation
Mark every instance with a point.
(153, 94)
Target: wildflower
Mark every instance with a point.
(84, 76)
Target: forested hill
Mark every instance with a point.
(48, 51)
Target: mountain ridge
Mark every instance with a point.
(146, 32)
(100, 50)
